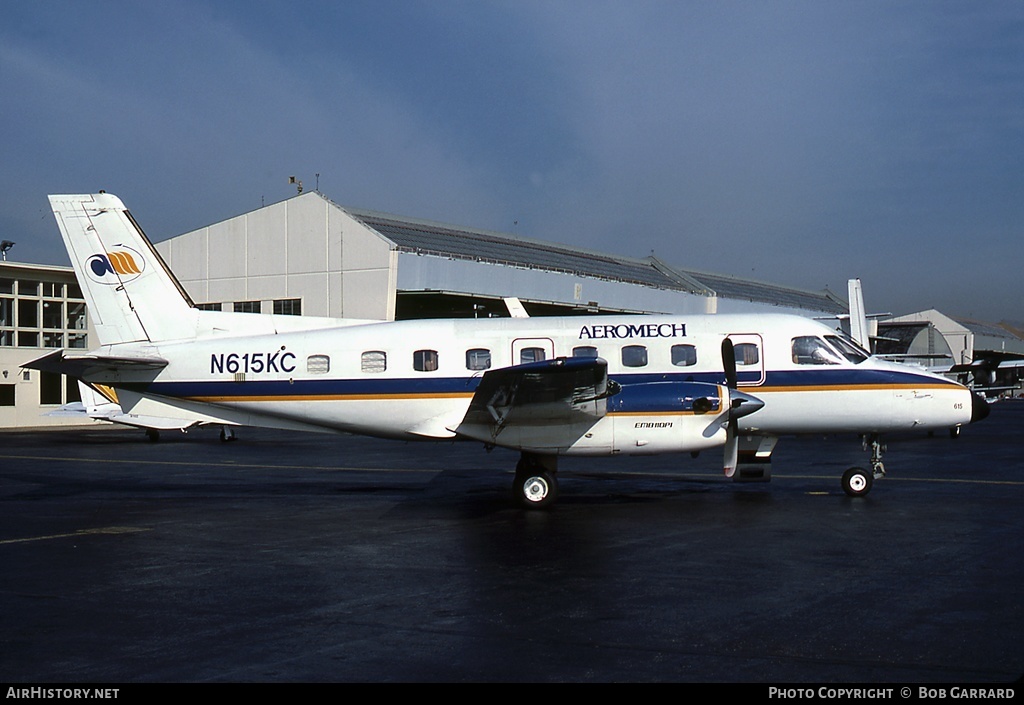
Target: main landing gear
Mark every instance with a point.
(535, 485)
(857, 481)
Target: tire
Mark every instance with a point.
(857, 482)
(535, 490)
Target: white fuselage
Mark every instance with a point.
(415, 379)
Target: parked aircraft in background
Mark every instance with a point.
(546, 387)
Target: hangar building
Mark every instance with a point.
(307, 255)
(41, 308)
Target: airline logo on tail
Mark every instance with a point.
(117, 267)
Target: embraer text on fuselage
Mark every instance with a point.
(620, 331)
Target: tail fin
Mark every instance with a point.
(858, 318)
(132, 295)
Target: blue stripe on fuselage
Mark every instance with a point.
(426, 387)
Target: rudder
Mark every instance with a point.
(131, 293)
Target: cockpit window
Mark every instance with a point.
(812, 350)
(850, 350)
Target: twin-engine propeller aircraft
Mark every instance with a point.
(546, 387)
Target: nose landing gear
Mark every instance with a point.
(857, 481)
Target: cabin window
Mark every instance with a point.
(424, 360)
(532, 355)
(374, 361)
(634, 356)
(684, 355)
(318, 364)
(584, 351)
(478, 359)
(812, 350)
(747, 354)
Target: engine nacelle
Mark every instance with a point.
(667, 417)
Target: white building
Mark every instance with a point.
(41, 308)
(310, 256)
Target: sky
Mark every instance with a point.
(799, 142)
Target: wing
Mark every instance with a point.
(563, 391)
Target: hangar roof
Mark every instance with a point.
(424, 237)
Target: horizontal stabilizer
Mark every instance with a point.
(83, 365)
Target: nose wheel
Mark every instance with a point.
(857, 481)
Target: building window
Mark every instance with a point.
(374, 361)
(50, 388)
(28, 313)
(684, 355)
(424, 360)
(7, 394)
(318, 364)
(53, 314)
(634, 356)
(35, 313)
(210, 307)
(76, 316)
(72, 392)
(288, 307)
(247, 307)
(478, 359)
(584, 351)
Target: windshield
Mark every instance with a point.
(850, 350)
(812, 350)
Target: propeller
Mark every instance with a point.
(740, 404)
(732, 443)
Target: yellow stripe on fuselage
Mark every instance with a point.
(333, 397)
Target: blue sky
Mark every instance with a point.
(801, 143)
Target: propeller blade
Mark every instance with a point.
(732, 442)
(732, 449)
(729, 363)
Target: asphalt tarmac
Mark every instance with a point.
(287, 557)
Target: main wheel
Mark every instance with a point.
(857, 482)
(535, 490)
